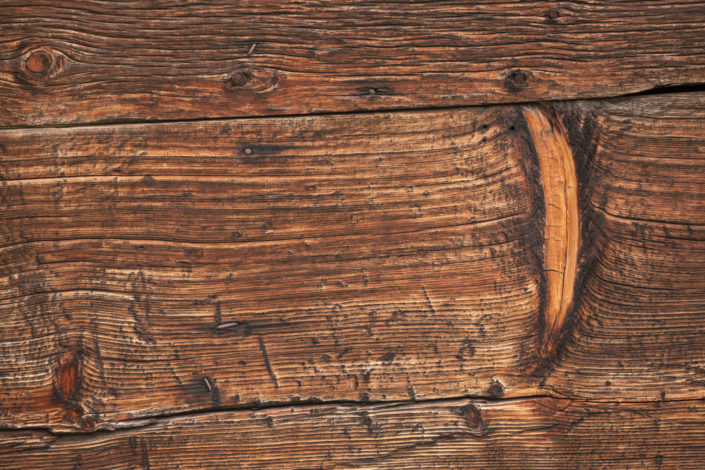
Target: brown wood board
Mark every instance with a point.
(89, 61)
(352, 234)
(150, 270)
(384, 257)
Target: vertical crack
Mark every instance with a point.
(267, 363)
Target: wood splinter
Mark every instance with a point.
(561, 232)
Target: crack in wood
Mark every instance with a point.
(267, 363)
(561, 231)
(428, 300)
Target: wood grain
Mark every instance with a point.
(238, 273)
(162, 268)
(637, 329)
(88, 61)
(517, 434)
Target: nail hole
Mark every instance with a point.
(373, 92)
(517, 80)
(553, 14)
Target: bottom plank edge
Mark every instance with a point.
(463, 433)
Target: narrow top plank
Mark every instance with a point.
(91, 61)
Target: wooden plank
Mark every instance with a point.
(162, 268)
(87, 61)
(637, 329)
(533, 433)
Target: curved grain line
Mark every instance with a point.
(561, 233)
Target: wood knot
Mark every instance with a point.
(561, 237)
(472, 415)
(496, 389)
(517, 80)
(38, 62)
(258, 80)
(553, 14)
(67, 378)
(41, 63)
(240, 78)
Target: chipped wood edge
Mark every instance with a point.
(562, 227)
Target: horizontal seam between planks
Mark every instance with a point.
(150, 421)
(110, 123)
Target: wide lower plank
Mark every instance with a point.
(88, 61)
(530, 433)
(163, 268)
(158, 268)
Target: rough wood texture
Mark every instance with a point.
(637, 329)
(399, 256)
(171, 267)
(548, 258)
(533, 433)
(80, 61)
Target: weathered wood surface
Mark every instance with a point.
(164, 268)
(159, 268)
(550, 258)
(526, 433)
(81, 61)
(638, 327)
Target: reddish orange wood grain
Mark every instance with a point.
(394, 257)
